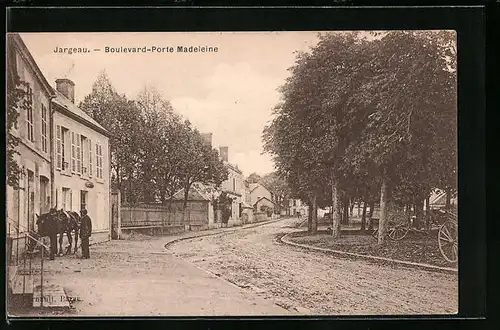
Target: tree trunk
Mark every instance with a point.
(351, 207)
(184, 204)
(336, 210)
(363, 217)
(309, 218)
(370, 216)
(314, 214)
(448, 199)
(345, 210)
(384, 201)
(419, 208)
(359, 207)
(427, 211)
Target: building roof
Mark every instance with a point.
(72, 109)
(14, 39)
(261, 198)
(254, 186)
(233, 167)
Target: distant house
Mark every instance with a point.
(199, 205)
(258, 191)
(295, 207)
(265, 206)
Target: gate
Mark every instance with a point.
(115, 215)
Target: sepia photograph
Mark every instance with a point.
(297, 173)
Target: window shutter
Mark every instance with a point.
(90, 157)
(73, 152)
(78, 154)
(58, 147)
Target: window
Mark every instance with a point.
(61, 158)
(29, 118)
(98, 152)
(44, 129)
(90, 156)
(234, 184)
(83, 157)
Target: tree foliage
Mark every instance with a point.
(155, 153)
(16, 102)
(368, 117)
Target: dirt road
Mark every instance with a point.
(308, 282)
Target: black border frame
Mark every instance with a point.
(469, 23)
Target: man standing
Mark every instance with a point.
(85, 232)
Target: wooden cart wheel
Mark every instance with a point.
(398, 232)
(448, 240)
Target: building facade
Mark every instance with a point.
(234, 186)
(63, 153)
(81, 159)
(258, 191)
(296, 207)
(33, 131)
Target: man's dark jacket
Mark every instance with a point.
(85, 227)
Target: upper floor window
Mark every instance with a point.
(61, 154)
(84, 155)
(76, 153)
(98, 152)
(29, 115)
(89, 156)
(44, 129)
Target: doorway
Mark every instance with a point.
(44, 198)
(84, 200)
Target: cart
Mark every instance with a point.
(446, 224)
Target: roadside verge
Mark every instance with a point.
(287, 240)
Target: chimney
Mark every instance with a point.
(224, 153)
(207, 137)
(67, 88)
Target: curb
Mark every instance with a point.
(218, 233)
(284, 239)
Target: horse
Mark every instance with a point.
(59, 222)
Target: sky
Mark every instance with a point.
(229, 93)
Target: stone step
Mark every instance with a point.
(23, 284)
(54, 296)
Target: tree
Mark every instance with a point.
(122, 118)
(16, 102)
(413, 108)
(254, 178)
(201, 163)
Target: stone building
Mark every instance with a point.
(34, 148)
(63, 152)
(81, 159)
